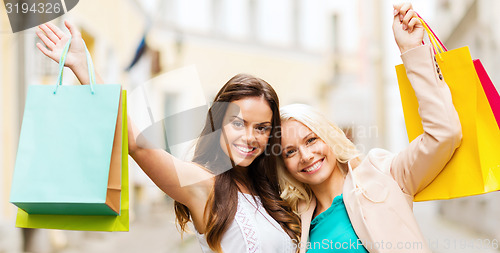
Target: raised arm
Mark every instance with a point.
(418, 164)
(163, 168)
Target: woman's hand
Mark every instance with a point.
(408, 31)
(54, 40)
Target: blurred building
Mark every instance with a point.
(9, 123)
(472, 23)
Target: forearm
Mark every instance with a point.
(417, 165)
(439, 117)
(182, 181)
(81, 72)
(159, 167)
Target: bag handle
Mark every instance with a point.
(437, 45)
(90, 66)
(433, 34)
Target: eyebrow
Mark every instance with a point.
(244, 121)
(305, 137)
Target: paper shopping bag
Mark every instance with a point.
(89, 222)
(69, 153)
(489, 89)
(475, 166)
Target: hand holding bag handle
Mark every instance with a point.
(438, 47)
(488, 87)
(90, 66)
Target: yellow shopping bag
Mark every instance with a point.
(475, 166)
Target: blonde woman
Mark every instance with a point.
(365, 205)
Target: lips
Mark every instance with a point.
(313, 167)
(245, 150)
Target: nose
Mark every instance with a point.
(249, 136)
(305, 155)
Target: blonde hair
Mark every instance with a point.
(293, 190)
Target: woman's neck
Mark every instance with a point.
(240, 175)
(328, 190)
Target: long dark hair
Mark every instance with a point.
(261, 176)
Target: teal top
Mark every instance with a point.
(331, 231)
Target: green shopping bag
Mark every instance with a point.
(89, 222)
(70, 148)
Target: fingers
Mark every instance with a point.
(406, 15)
(44, 50)
(72, 29)
(414, 22)
(50, 44)
(409, 16)
(56, 30)
(49, 33)
(403, 10)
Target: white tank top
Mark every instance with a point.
(252, 231)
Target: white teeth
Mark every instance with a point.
(314, 167)
(244, 149)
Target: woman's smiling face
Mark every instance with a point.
(307, 157)
(246, 129)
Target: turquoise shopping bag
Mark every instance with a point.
(89, 222)
(69, 154)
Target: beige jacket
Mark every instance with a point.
(378, 193)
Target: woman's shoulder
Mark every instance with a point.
(377, 158)
(378, 153)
